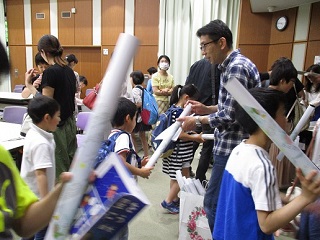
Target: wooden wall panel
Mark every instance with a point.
(40, 27)
(313, 49)
(279, 50)
(146, 57)
(112, 20)
(83, 22)
(258, 54)
(314, 32)
(66, 25)
(253, 28)
(17, 56)
(15, 19)
(288, 34)
(146, 23)
(89, 59)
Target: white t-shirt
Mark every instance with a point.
(249, 184)
(122, 145)
(38, 153)
(137, 98)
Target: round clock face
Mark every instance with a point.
(282, 23)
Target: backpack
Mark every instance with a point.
(149, 109)
(164, 121)
(108, 145)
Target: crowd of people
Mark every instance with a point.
(242, 199)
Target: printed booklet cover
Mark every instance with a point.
(109, 203)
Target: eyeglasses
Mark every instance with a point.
(203, 45)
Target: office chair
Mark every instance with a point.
(82, 120)
(18, 88)
(14, 114)
(89, 90)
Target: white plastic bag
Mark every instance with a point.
(193, 223)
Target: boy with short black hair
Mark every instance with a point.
(125, 120)
(249, 205)
(38, 161)
(19, 207)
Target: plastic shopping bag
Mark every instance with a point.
(193, 223)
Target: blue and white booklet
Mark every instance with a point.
(109, 203)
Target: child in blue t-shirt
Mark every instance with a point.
(249, 205)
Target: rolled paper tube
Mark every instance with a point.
(99, 125)
(208, 136)
(166, 140)
(305, 117)
(270, 127)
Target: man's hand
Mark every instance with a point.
(189, 123)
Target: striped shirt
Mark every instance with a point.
(228, 133)
(182, 153)
(249, 184)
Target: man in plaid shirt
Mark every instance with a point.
(216, 45)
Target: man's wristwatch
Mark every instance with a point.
(198, 123)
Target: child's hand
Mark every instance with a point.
(144, 161)
(37, 83)
(145, 172)
(29, 75)
(198, 138)
(310, 186)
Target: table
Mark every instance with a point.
(12, 98)
(10, 135)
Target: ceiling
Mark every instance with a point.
(276, 5)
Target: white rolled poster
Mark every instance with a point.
(99, 125)
(270, 127)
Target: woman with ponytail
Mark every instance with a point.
(58, 82)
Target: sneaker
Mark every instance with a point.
(171, 207)
(177, 203)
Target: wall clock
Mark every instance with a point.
(281, 23)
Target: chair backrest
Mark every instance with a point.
(89, 90)
(14, 114)
(82, 120)
(18, 88)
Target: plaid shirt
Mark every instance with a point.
(228, 133)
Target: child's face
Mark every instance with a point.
(131, 123)
(281, 117)
(42, 67)
(81, 85)
(288, 85)
(131, 81)
(54, 121)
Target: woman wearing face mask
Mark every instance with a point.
(162, 84)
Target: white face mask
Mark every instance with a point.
(164, 66)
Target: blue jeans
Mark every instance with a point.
(212, 194)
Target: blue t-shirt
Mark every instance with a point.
(249, 184)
